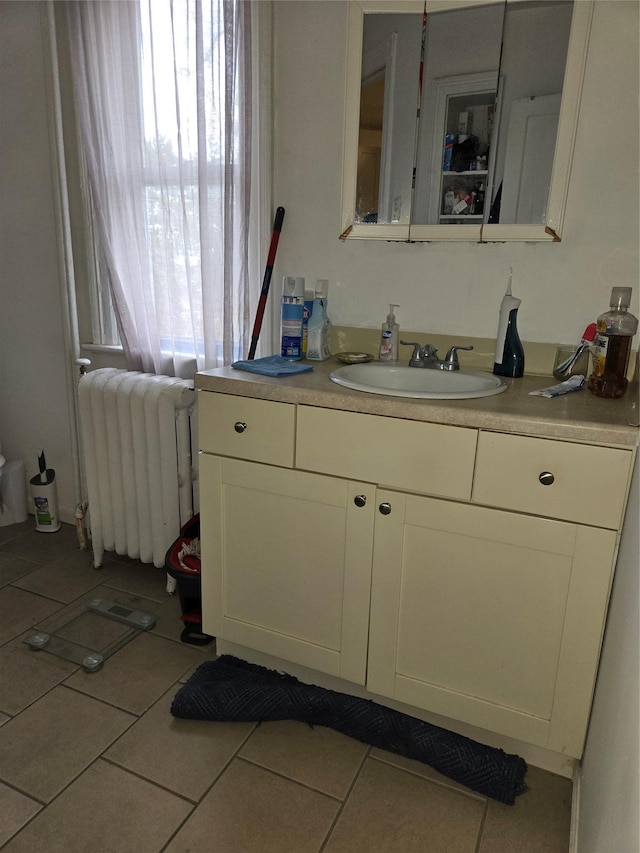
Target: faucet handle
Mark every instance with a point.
(415, 360)
(451, 359)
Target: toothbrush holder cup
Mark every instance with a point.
(568, 362)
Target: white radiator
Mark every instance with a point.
(136, 437)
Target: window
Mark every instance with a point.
(164, 97)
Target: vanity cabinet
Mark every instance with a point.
(459, 571)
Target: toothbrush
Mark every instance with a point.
(588, 336)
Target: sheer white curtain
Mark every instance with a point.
(165, 103)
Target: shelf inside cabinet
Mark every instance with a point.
(468, 173)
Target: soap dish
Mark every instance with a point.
(354, 357)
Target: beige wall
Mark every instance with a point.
(446, 289)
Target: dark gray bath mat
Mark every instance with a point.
(232, 690)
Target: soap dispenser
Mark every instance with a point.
(390, 337)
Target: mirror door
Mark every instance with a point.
(391, 47)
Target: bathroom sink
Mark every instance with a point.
(418, 382)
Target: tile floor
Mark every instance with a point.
(94, 761)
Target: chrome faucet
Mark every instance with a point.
(427, 356)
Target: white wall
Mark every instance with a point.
(609, 818)
(440, 288)
(33, 403)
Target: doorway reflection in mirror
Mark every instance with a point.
(388, 121)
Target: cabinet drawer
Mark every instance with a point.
(409, 455)
(258, 430)
(575, 482)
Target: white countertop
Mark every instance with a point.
(579, 416)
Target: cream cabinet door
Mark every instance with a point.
(286, 563)
(488, 617)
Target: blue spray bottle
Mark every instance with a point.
(292, 314)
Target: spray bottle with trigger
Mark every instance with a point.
(509, 357)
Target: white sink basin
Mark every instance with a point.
(418, 382)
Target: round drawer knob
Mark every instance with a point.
(360, 500)
(385, 508)
(546, 478)
(239, 426)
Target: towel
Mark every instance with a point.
(272, 365)
(229, 689)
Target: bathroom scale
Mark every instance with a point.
(91, 633)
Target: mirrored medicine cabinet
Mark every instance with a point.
(461, 118)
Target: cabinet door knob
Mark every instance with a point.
(385, 508)
(239, 426)
(360, 500)
(546, 478)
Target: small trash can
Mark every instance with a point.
(45, 501)
(182, 562)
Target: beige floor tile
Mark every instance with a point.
(184, 756)
(208, 654)
(21, 610)
(12, 531)
(539, 822)
(250, 810)
(31, 544)
(27, 674)
(391, 811)
(52, 741)
(105, 593)
(168, 621)
(105, 809)
(421, 769)
(318, 757)
(15, 811)
(65, 578)
(12, 567)
(143, 579)
(4, 719)
(138, 674)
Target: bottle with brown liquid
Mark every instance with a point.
(612, 346)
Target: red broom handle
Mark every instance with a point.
(266, 281)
